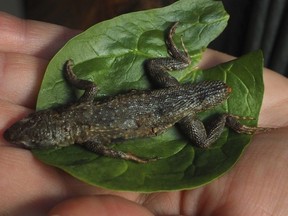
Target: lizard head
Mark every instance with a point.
(30, 132)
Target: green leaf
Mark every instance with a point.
(112, 55)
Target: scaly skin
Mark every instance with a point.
(96, 124)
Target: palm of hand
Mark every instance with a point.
(256, 186)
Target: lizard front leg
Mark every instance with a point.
(89, 87)
(158, 68)
(104, 150)
(204, 136)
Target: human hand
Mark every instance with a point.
(257, 185)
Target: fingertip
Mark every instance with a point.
(30, 37)
(212, 58)
(99, 205)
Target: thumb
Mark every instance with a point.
(99, 205)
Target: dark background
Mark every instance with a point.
(253, 24)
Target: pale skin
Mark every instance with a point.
(257, 185)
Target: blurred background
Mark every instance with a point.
(253, 24)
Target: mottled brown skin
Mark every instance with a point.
(97, 124)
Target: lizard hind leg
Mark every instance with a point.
(232, 121)
(200, 135)
(181, 56)
(158, 68)
(216, 127)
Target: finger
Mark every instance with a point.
(27, 186)
(261, 172)
(32, 37)
(275, 101)
(21, 77)
(212, 58)
(100, 205)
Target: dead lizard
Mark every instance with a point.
(97, 124)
